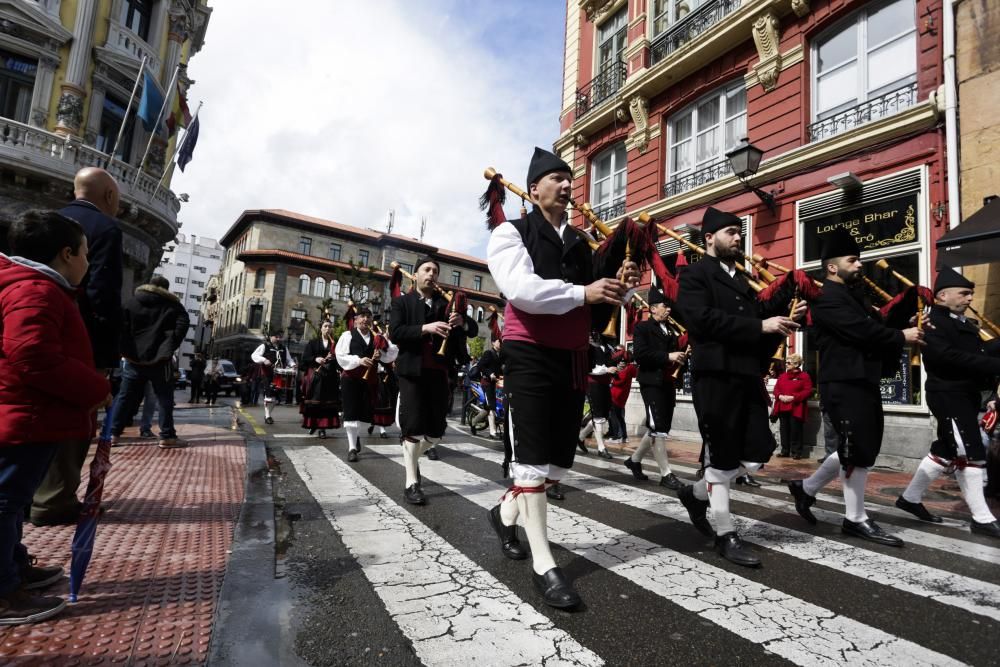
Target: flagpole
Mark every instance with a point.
(121, 130)
(177, 148)
(152, 135)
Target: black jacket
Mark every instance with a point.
(314, 348)
(101, 288)
(154, 324)
(723, 318)
(955, 357)
(196, 370)
(652, 348)
(853, 343)
(407, 318)
(489, 364)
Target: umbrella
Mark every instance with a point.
(86, 527)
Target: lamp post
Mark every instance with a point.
(744, 160)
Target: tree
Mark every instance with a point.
(476, 346)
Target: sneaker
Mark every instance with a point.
(172, 443)
(19, 607)
(34, 577)
(146, 433)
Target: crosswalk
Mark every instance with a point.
(820, 599)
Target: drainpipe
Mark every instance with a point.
(951, 115)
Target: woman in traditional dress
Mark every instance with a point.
(320, 406)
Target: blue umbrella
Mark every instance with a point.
(86, 527)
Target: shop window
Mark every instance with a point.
(607, 183)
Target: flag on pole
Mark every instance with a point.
(180, 115)
(186, 151)
(151, 102)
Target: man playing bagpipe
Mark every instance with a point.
(959, 365)
(656, 350)
(856, 349)
(359, 351)
(733, 337)
(556, 296)
(431, 333)
(602, 370)
(270, 355)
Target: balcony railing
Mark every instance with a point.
(880, 107)
(126, 42)
(601, 88)
(611, 211)
(62, 157)
(689, 27)
(712, 172)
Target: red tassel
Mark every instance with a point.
(495, 331)
(396, 283)
(492, 202)
(349, 315)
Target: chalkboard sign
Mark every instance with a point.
(897, 389)
(881, 224)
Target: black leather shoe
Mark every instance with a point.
(671, 482)
(917, 509)
(432, 454)
(696, 510)
(509, 544)
(555, 492)
(992, 528)
(582, 447)
(415, 495)
(733, 549)
(605, 454)
(371, 428)
(556, 590)
(869, 530)
(748, 480)
(636, 469)
(352, 456)
(781, 455)
(268, 420)
(803, 501)
(384, 436)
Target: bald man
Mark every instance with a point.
(95, 206)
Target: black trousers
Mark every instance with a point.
(356, 397)
(855, 408)
(543, 406)
(962, 408)
(195, 390)
(599, 396)
(732, 418)
(660, 402)
(423, 404)
(791, 434)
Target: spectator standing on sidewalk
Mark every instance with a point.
(154, 326)
(621, 387)
(196, 374)
(212, 384)
(49, 390)
(791, 394)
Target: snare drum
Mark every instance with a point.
(284, 378)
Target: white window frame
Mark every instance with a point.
(672, 18)
(334, 289)
(612, 150)
(598, 65)
(319, 287)
(722, 93)
(304, 283)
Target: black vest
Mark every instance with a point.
(358, 346)
(272, 352)
(552, 258)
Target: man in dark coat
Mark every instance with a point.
(95, 208)
(196, 374)
(855, 350)
(733, 337)
(959, 365)
(418, 322)
(153, 327)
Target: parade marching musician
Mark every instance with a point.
(656, 352)
(733, 337)
(420, 321)
(359, 350)
(602, 370)
(320, 394)
(855, 351)
(958, 365)
(547, 274)
(269, 355)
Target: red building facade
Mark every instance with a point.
(842, 96)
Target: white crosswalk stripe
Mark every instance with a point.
(454, 612)
(945, 587)
(799, 631)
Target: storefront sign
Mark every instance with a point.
(896, 388)
(881, 224)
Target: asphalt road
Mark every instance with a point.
(362, 577)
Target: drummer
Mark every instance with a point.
(269, 356)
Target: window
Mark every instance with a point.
(334, 252)
(193, 311)
(612, 38)
(215, 257)
(364, 294)
(17, 82)
(259, 279)
(107, 131)
(255, 318)
(198, 283)
(607, 183)
(200, 269)
(303, 284)
(479, 314)
(319, 287)
(871, 58)
(477, 283)
(701, 135)
(136, 16)
(470, 311)
(668, 12)
(179, 280)
(406, 266)
(183, 266)
(362, 258)
(305, 245)
(179, 295)
(334, 289)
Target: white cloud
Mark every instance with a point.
(345, 110)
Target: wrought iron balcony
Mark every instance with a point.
(712, 172)
(602, 88)
(689, 27)
(611, 211)
(880, 107)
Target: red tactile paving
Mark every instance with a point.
(162, 545)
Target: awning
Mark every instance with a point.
(975, 241)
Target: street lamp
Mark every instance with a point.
(376, 304)
(744, 161)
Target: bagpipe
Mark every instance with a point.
(457, 299)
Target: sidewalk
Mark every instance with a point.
(150, 593)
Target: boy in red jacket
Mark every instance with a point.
(49, 389)
(791, 393)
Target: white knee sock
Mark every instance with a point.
(971, 482)
(411, 461)
(644, 444)
(749, 467)
(700, 489)
(381, 429)
(717, 486)
(267, 409)
(586, 430)
(599, 435)
(492, 419)
(351, 429)
(660, 454)
(823, 475)
(854, 494)
(532, 508)
(928, 471)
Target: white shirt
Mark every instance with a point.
(731, 270)
(259, 358)
(350, 361)
(514, 273)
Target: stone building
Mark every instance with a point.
(188, 263)
(67, 72)
(279, 267)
